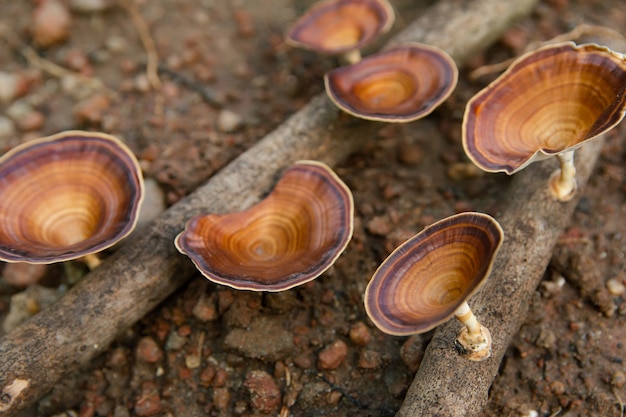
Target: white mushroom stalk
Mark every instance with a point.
(563, 181)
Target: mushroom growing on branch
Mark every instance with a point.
(399, 85)
(291, 237)
(548, 103)
(342, 27)
(429, 278)
(67, 196)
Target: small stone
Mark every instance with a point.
(7, 131)
(546, 339)
(360, 334)
(333, 355)
(379, 226)
(22, 274)
(25, 117)
(149, 402)
(463, 170)
(175, 341)
(370, 359)
(618, 379)
(221, 398)
(91, 110)
(615, 287)
(245, 25)
(153, 203)
(264, 393)
(12, 85)
(265, 339)
(206, 308)
(148, 350)
(51, 23)
(228, 121)
(27, 303)
(557, 387)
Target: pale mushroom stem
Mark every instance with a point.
(92, 260)
(352, 57)
(563, 181)
(465, 316)
(474, 339)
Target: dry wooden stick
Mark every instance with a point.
(147, 268)
(447, 384)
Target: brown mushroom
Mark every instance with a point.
(429, 278)
(398, 85)
(342, 27)
(549, 102)
(67, 196)
(289, 238)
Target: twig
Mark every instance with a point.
(152, 58)
(619, 401)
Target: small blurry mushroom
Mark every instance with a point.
(341, 27)
(398, 85)
(549, 102)
(66, 197)
(291, 237)
(430, 277)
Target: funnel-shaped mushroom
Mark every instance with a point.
(291, 237)
(398, 85)
(429, 278)
(549, 102)
(67, 196)
(342, 27)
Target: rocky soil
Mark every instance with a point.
(225, 79)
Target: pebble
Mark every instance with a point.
(27, 303)
(546, 339)
(91, 110)
(379, 226)
(206, 308)
(228, 121)
(333, 355)
(359, 334)
(615, 287)
(221, 398)
(51, 23)
(25, 117)
(370, 359)
(264, 393)
(7, 131)
(12, 86)
(149, 402)
(265, 339)
(463, 170)
(557, 387)
(22, 274)
(148, 350)
(153, 203)
(618, 379)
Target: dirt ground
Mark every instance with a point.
(226, 79)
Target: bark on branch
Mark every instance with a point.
(147, 268)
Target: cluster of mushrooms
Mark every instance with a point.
(77, 193)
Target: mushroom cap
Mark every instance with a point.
(402, 84)
(289, 238)
(423, 282)
(338, 26)
(66, 196)
(549, 101)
